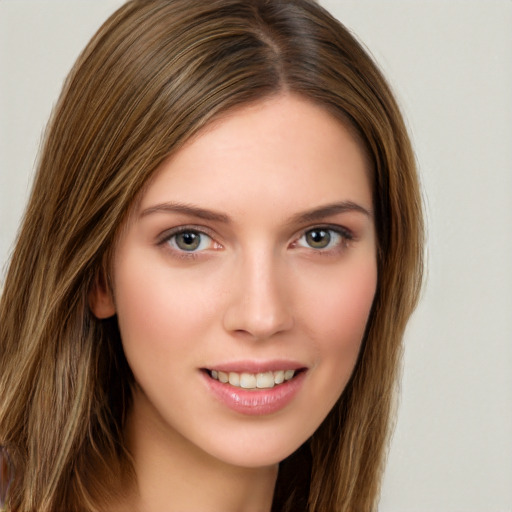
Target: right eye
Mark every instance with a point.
(189, 240)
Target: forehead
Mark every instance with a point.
(283, 151)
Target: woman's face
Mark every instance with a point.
(251, 257)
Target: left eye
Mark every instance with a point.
(321, 238)
(190, 241)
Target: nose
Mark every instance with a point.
(259, 303)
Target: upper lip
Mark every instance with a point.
(256, 366)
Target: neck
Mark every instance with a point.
(173, 474)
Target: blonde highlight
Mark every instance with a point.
(156, 73)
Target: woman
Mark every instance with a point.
(205, 306)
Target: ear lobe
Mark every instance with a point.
(101, 300)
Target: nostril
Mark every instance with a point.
(259, 307)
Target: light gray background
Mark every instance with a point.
(450, 63)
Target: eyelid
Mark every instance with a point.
(168, 233)
(164, 238)
(342, 230)
(346, 234)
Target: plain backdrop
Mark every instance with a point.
(450, 64)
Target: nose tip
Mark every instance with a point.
(260, 307)
(263, 323)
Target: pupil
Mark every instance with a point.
(318, 238)
(188, 241)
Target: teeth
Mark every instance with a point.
(247, 380)
(265, 380)
(288, 374)
(279, 377)
(234, 379)
(244, 380)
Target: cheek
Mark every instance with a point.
(336, 320)
(159, 317)
(338, 304)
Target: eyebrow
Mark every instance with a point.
(187, 209)
(315, 214)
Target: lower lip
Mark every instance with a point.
(257, 402)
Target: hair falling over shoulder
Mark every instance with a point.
(153, 75)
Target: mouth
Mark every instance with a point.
(254, 381)
(250, 388)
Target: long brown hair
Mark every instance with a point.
(156, 73)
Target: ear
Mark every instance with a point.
(101, 300)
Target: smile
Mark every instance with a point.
(264, 390)
(265, 380)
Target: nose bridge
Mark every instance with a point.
(259, 304)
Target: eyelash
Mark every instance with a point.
(345, 237)
(168, 236)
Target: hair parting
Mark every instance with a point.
(154, 75)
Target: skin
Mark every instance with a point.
(254, 290)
